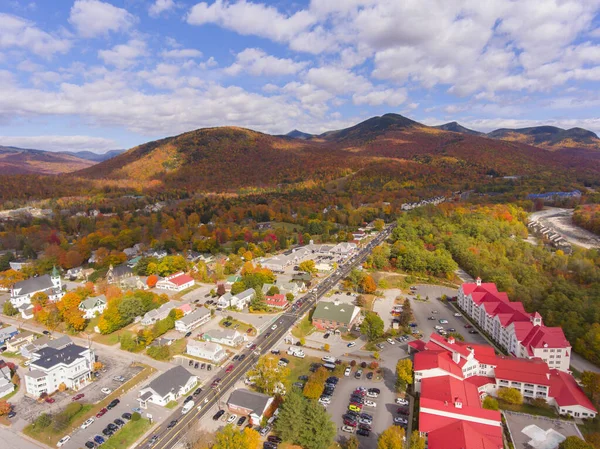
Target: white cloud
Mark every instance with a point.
(29, 66)
(16, 32)
(92, 18)
(337, 80)
(390, 97)
(182, 53)
(123, 56)
(160, 6)
(60, 143)
(258, 63)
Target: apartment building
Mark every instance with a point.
(191, 321)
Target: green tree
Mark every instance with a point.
(372, 326)
(511, 395)
(317, 430)
(391, 438)
(591, 384)
(291, 409)
(490, 403)
(574, 442)
(416, 440)
(268, 375)
(308, 266)
(289, 296)
(258, 303)
(403, 374)
(9, 309)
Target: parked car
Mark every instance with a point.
(468, 326)
(400, 420)
(50, 400)
(350, 422)
(401, 401)
(347, 428)
(197, 391)
(101, 413)
(113, 404)
(106, 390)
(358, 374)
(90, 444)
(347, 371)
(119, 378)
(403, 411)
(208, 367)
(98, 440)
(241, 421)
(77, 397)
(370, 375)
(369, 403)
(87, 423)
(274, 439)
(63, 441)
(218, 415)
(231, 418)
(390, 341)
(269, 445)
(363, 432)
(126, 416)
(229, 369)
(113, 427)
(12, 414)
(370, 394)
(351, 344)
(46, 332)
(188, 399)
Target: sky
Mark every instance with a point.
(101, 75)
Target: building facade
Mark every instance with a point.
(191, 321)
(22, 292)
(212, 352)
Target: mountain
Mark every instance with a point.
(26, 161)
(96, 157)
(295, 134)
(550, 137)
(455, 127)
(371, 127)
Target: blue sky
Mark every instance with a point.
(99, 75)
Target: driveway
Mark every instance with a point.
(383, 306)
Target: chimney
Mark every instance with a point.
(457, 402)
(478, 281)
(455, 357)
(451, 340)
(336, 302)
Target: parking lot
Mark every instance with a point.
(517, 422)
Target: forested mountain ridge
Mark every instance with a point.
(15, 160)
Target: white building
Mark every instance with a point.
(190, 322)
(22, 292)
(206, 350)
(344, 248)
(155, 315)
(227, 337)
(93, 306)
(239, 301)
(50, 367)
(176, 282)
(6, 385)
(167, 387)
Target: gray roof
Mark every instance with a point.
(92, 302)
(221, 333)
(246, 293)
(33, 285)
(147, 395)
(5, 333)
(195, 315)
(60, 342)
(49, 357)
(35, 373)
(257, 402)
(121, 270)
(171, 380)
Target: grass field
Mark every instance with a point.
(529, 409)
(49, 435)
(111, 339)
(303, 328)
(242, 327)
(128, 435)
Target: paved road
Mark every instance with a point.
(11, 440)
(168, 438)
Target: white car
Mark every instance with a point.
(328, 359)
(371, 394)
(351, 344)
(63, 440)
(324, 399)
(87, 424)
(442, 321)
(106, 391)
(274, 327)
(231, 419)
(438, 328)
(400, 420)
(458, 314)
(249, 345)
(390, 341)
(348, 429)
(347, 371)
(401, 401)
(370, 403)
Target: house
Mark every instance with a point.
(289, 287)
(301, 277)
(162, 341)
(277, 301)
(6, 385)
(333, 315)
(130, 252)
(7, 333)
(190, 322)
(227, 337)
(232, 280)
(167, 387)
(206, 350)
(155, 315)
(44, 342)
(134, 261)
(479, 366)
(93, 306)
(74, 273)
(239, 301)
(249, 403)
(186, 309)
(18, 265)
(520, 333)
(116, 274)
(176, 282)
(22, 292)
(133, 283)
(21, 339)
(50, 367)
(344, 248)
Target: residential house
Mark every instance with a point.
(520, 333)
(22, 292)
(228, 337)
(131, 263)
(344, 248)
(6, 385)
(93, 306)
(239, 301)
(169, 386)
(232, 280)
(49, 368)
(176, 282)
(116, 274)
(277, 301)
(130, 252)
(212, 352)
(190, 322)
(186, 308)
(18, 265)
(134, 283)
(21, 339)
(249, 403)
(74, 273)
(155, 315)
(289, 287)
(334, 315)
(44, 342)
(7, 333)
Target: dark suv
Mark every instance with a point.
(113, 404)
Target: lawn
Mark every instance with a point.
(171, 405)
(299, 367)
(128, 435)
(528, 409)
(50, 435)
(303, 328)
(110, 339)
(10, 395)
(241, 326)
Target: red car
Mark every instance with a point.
(253, 347)
(77, 397)
(50, 400)
(468, 326)
(101, 413)
(229, 369)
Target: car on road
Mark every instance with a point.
(172, 424)
(274, 327)
(241, 421)
(390, 341)
(216, 382)
(351, 344)
(253, 347)
(77, 397)
(153, 441)
(229, 369)
(458, 314)
(106, 390)
(231, 418)
(189, 334)
(347, 371)
(242, 357)
(101, 413)
(401, 401)
(431, 318)
(346, 428)
(473, 331)
(468, 326)
(63, 441)
(188, 399)
(50, 400)
(87, 423)
(46, 332)
(218, 415)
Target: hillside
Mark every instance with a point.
(295, 134)
(371, 128)
(95, 157)
(550, 137)
(456, 127)
(24, 161)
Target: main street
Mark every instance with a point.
(167, 438)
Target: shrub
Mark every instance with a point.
(374, 365)
(353, 363)
(159, 352)
(490, 403)
(43, 421)
(136, 416)
(511, 396)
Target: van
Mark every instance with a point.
(329, 366)
(187, 407)
(328, 359)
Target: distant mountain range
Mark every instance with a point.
(15, 160)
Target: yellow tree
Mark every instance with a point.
(391, 438)
(231, 438)
(9, 277)
(404, 373)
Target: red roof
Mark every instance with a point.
(545, 337)
(469, 288)
(180, 279)
(522, 329)
(465, 435)
(480, 381)
(417, 345)
(565, 391)
(444, 343)
(436, 359)
(277, 300)
(447, 389)
(533, 371)
(441, 414)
